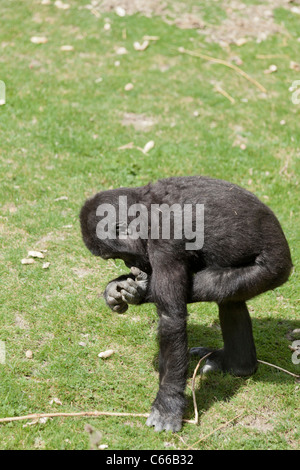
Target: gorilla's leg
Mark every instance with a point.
(237, 284)
(238, 355)
(229, 288)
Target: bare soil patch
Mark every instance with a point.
(140, 122)
(242, 20)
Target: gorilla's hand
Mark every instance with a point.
(118, 294)
(113, 297)
(134, 290)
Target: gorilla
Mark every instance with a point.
(242, 252)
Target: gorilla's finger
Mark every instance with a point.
(121, 308)
(138, 274)
(127, 297)
(129, 288)
(114, 300)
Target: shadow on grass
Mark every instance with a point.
(272, 338)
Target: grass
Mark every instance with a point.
(60, 131)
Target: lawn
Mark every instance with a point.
(72, 125)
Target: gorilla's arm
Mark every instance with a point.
(207, 285)
(169, 292)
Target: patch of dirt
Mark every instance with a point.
(243, 20)
(51, 237)
(172, 13)
(145, 7)
(20, 322)
(260, 422)
(83, 272)
(139, 121)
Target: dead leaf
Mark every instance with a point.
(38, 39)
(27, 261)
(240, 41)
(35, 254)
(36, 421)
(67, 48)
(140, 47)
(61, 198)
(61, 5)
(120, 11)
(29, 354)
(130, 145)
(105, 354)
(121, 50)
(296, 10)
(150, 38)
(55, 400)
(149, 145)
(271, 69)
(128, 87)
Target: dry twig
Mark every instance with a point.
(227, 64)
(82, 413)
(217, 429)
(37, 416)
(224, 93)
(279, 368)
(196, 419)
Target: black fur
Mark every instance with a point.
(245, 253)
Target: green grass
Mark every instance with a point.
(60, 130)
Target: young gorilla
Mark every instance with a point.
(244, 254)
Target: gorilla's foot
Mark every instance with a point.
(219, 360)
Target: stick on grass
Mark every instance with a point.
(227, 64)
(217, 429)
(279, 368)
(96, 414)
